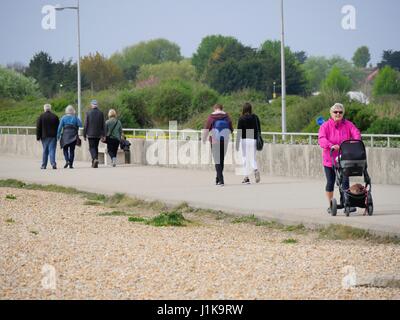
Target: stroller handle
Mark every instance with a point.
(331, 155)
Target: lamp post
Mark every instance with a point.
(283, 75)
(79, 55)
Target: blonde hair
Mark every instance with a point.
(337, 106)
(112, 113)
(69, 110)
(47, 107)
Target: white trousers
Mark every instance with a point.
(249, 156)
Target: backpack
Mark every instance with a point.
(221, 129)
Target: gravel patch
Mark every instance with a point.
(107, 257)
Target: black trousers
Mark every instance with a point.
(94, 147)
(219, 151)
(112, 147)
(69, 152)
(330, 180)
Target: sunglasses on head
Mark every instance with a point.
(338, 112)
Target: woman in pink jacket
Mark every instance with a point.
(331, 134)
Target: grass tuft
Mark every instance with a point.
(165, 219)
(342, 232)
(93, 203)
(11, 197)
(247, 219)
(136, 219)
(289, 241)
(298, 228)
(115, 214)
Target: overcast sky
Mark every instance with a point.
(314, 26)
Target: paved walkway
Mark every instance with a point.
(288, 200)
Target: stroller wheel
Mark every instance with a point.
(370, 205)
(347, 211)
(333, 207)
(370, 209)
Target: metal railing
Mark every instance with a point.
(370, 140)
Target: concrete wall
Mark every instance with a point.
(275, 159)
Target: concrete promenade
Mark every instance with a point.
(287, 200)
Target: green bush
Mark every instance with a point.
(385, 126)
(183, 70)
(59, 103)
(172, 101)
(337, 81)
(133, 108)
(386, 82)
(302, 116)
(16, 86)
(204, 99)
(361, 115)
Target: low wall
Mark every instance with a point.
(275, 159)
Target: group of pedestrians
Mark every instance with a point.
(49, 130)
(218, 129)
(331, 134)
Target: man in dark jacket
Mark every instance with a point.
(219, 124)
(46, 131)
(94, 130)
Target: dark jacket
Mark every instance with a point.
(94, 124)
(47, 125)
(249, 122)
(210, 122)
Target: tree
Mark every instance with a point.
(65, 76)
(225, 77)
(50, 75)
(317, 69)
(361, 57)
(390, 58)
(100, 72)
(207, 48)
(301, 56)
(270, 52)
(337, 81)
(183, 70)
(233, 66)
(150, 52)
(42, 69)
(386, 82)
(15, 85)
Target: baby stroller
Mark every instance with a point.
(352, 161)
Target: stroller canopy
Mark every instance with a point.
(353, 150)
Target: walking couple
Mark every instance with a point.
(219, 127)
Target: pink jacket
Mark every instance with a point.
(332, 133)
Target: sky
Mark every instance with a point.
(107, 26)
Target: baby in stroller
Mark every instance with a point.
(352, 161)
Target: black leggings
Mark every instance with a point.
(330, 180)
(112, 147)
